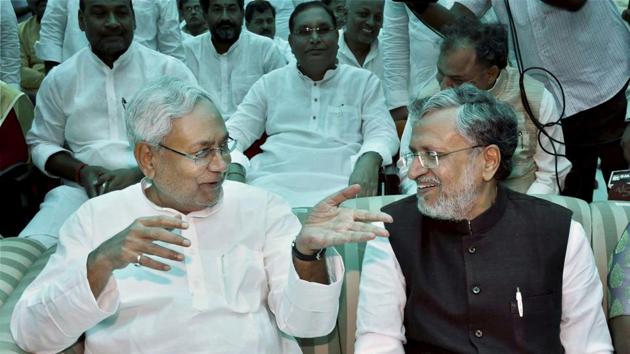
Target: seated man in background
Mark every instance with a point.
(260, 18)
(477, 53)
(32, 70)
(213, 270)
(194, 22)
(471, 266)
(330, 128)
(157, 27)
(227, 61)
(358, 41)
(78, 132)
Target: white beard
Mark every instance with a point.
(460, 201)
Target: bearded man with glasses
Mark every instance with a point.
(471, 266)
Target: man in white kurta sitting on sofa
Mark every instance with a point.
(214, 269)
(78, 133)
(327, 123)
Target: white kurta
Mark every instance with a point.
(316, 130)
(227, 77)
(234, 293)
(382, 300)
(80, 110)
(157, 27)
(373, 61)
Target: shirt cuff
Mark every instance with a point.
(42, 152)
(48, 53)
(397, 98)
(377, 148)
(315, 296)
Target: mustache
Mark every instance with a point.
(428, 180)
(225, 23)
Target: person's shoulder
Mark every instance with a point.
(249, 194)
(527, 201)
(67, 70)
(154, 58)
(111, 202)
(258, 41)
(194, 42)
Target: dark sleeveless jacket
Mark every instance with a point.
(462, 277)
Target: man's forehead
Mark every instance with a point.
(108, 3)
(313, 16)
(435, 128)
(370, 4)
(266, 13)
(223, 2)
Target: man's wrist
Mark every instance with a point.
(309, 256)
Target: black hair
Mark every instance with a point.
(205, 5)
(311, 5)
(259, 6)
(488, 39)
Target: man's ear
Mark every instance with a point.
(145, 156)
(492, 74)
(491, 161)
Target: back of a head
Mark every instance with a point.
(149, 114)
(481, 118)
(489, 40)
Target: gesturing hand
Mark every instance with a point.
(118, 179)
(136, 242)
(328, 224)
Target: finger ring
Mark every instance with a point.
(138, 264)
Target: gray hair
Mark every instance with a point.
(150, 113)
(481, 119)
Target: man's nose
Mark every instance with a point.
(416, 169)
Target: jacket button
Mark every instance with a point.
(476, 290)
(478, 333)
(472, 249)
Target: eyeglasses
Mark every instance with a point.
(431, 159)
(305, 32)
(203, 157)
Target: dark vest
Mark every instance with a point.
(461, 277)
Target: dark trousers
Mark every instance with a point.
(591, 134)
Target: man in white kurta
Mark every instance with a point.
(184, 261)
(227, 77)
(236, 284)
(157, 28)
(316, 131)
(227, 65)
(80, 110)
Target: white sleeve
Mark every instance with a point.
(10, 61)
(478, 7)
(49, 47)
(274, 59)
(396, 54)
(58, 306)
(377, 125)
(301, 308)
(247, 124)
(47, 134)
(583, 327)
(545, 182)
(407, 186)
(382, 301)
(169, 38)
